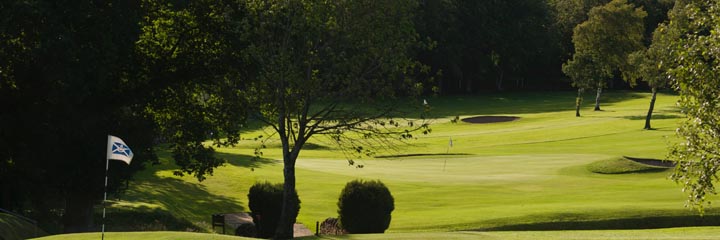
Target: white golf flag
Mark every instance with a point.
(450, 141)
(118, 150)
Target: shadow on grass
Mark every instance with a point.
(422, 154)
(145, 219)
(519, 102)
(654, 117)
(156, 202)
(245, 161)
(614, 224)
(184, 206)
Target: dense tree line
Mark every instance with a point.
(515, 44)
(180, 73)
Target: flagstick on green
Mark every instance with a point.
(116, 150)
(447, 152)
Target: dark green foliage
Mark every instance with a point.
(490, 44)
(246, 230)
(694, 43)
(365, 207)
(66, 82)
(265, 201)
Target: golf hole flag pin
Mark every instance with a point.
(118, 150)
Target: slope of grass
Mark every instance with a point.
(622, 165)
(529, 171)
(13, 228)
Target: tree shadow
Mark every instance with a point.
(654, 117)
(246, 161)
(616, 224)
(626, 219)
(156, 202)
(518, 102)
(183, 205)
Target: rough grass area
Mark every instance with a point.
(13, 228)
(622, 165)
(123, 219)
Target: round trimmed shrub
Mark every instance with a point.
(246, 230)
(265, 201)
(365, 207)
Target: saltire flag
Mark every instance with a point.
(118, 150)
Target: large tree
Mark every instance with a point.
(73, 72)
(611, 32)
(65, 85)
(190, 53)
(567, 14)
(695, 30)
(335, 68)
(650, 65)
(585, 72)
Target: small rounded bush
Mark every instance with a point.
(246, 230)
(365, 207)
(265, 201)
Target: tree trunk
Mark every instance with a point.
(597, 99)
(289, 212)
(78, 213)
(499, 80)
(650, 111)
(578, 101)
(287, 216)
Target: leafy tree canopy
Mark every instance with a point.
(694, 32)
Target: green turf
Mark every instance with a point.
(622, 165)
(527, 172)
(13, 228)
(659, 234)
(694, 233)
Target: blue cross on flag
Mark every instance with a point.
(118, 150)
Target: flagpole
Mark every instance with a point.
(446, 153)
(107, 165)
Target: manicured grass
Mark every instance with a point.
(658, 234)
(527, 172)
(694, 233)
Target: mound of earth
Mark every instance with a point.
(629, 165)
(490, 119)
(652, 162)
